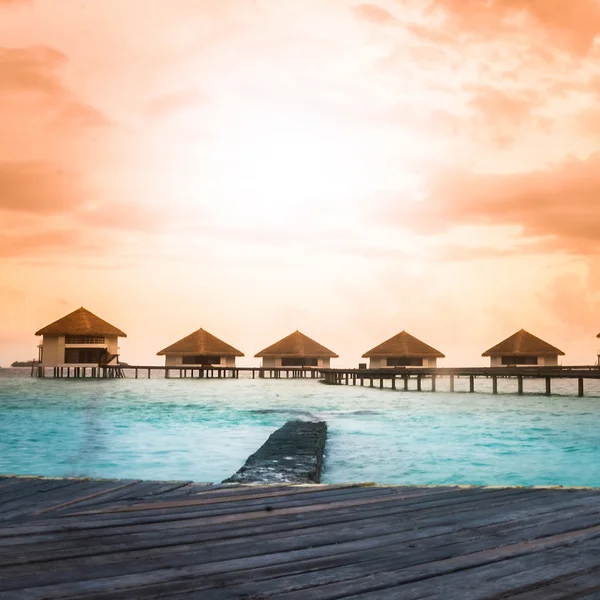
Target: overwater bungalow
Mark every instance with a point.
(80, 338)
(296, 350)
(523, 348)
(403, 350)
(200, 348)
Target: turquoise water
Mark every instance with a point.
(204, 430)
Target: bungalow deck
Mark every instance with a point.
(103, 539)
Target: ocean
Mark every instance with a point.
(203, 430)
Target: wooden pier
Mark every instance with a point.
(407, 378)
(102, 540)
(180, 372)
(400, 378)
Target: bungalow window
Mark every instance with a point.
(519, 360)
(404, 361)
(299, 362)
(201, 360)
(80, 356)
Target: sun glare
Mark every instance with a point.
(274, 164)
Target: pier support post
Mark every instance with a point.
(471, 383)
(520, 385)
(433, 383)
(580, 387)
(381, 383)
(394, 382)
(548, 386)
(371, 382)
(418, 383)
(405, 377)
(451, 383)
(494, 384)
(362, 381)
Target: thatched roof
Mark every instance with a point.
(297, 345)
(81, 322)
(403, 345)
(523, 343)
(201, 343)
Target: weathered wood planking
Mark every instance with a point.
(116, 539)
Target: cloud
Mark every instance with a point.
(169, 103)
(572, 299)
(373, 13)
(39, 187)
(126, 216)
(559, 202)
(30, 69)
(78, 114)
(61, 241)
(573, 25)
(34, 72)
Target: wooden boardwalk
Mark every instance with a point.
(173, 540)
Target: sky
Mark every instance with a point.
(347, 169)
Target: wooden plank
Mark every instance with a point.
(318, 536)
(585, 584)
(309, 576)
(31, 489)
(443, 574)
(448, 500)
(237, 515)
(57, 495)
(63, 535)
(150, 510)
(97, 492)
(327, 536)
(396, 557)
(59, 584)
(217, 498)
(501, 579)
(277, 526)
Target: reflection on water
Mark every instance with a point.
(205, 429)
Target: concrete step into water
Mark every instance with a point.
(292, 454)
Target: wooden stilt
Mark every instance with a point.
(433, 383)
(405, 377)
(471, 383)
(393, 382)
(580, 387)
(494, 385)
(548, 386)
(520, 385)
(418, 383)
(371, 382)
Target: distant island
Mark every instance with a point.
(23, 363)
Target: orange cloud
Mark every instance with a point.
(169, 103)
(373, 13)
(30, 70)
(31, 75)
(560, 202)
(573, 25)
(38, 187)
